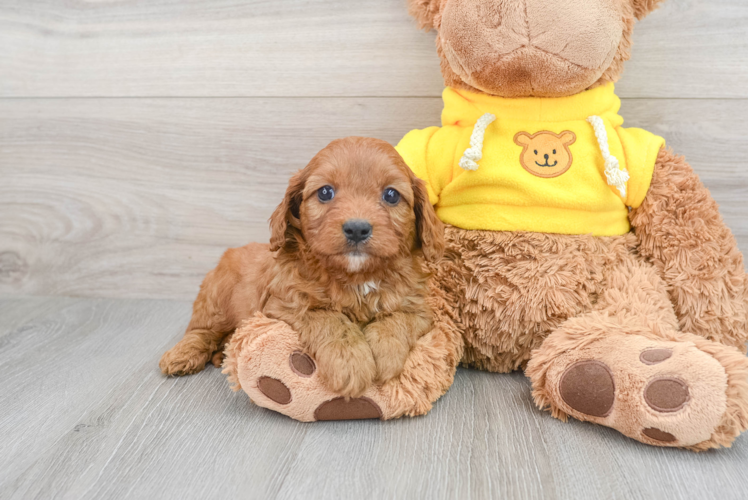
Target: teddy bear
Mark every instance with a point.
(587, 254)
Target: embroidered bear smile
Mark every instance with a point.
(546, 163)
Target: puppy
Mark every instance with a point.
(343, 268)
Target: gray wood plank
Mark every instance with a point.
(690, 48)
(139, 197)
(106, 424)
(16, 313)
(58, 357)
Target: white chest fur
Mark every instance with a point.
(365, 289)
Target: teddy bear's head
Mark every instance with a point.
(519, 48)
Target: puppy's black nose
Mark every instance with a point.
(546, 157)
(357, 230)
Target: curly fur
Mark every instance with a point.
(426, 376)
(359, 324)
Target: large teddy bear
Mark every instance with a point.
(586, 253)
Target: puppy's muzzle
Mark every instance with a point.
(357, 230)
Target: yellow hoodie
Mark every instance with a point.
(552, 165)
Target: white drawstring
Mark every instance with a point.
(616, 177)
(474, 153)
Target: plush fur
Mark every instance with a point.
(680, 231)
(519, 48)
(359, 308)
(546, 302)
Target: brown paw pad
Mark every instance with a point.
(302, 365)
(274, 389)
(353, 409)
(658, 435)
(588, 387)
(655, 356)
(666, 394)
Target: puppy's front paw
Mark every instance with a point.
(390, 356)
(347, 367)
(183, 359)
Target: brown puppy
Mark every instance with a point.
(342, 268)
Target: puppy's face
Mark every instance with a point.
(357, 205)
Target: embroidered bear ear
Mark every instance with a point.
(425, 12)
(644, 7)
(522, 139)
(568, 138)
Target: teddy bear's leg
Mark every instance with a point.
(681, 232)
(265, 358)
(626, 366)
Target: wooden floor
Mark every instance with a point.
(139, 139)
(87, 414)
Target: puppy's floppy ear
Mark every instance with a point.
(644, 7)
(425, 12)
(286, 216)
(428, 226)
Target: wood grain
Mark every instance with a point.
(689, 48)
(139, 198)
(86, 414)
(139, 139)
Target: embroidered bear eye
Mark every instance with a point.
(391, 196)
(536, 151)
(325, 194)
(554, 151)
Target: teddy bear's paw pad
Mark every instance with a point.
(658, 435)
(274, 390)
(655, 356)
(588, 387)
(666, 394)
(353, 409)
(302, 364)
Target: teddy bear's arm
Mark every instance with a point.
(681, 232)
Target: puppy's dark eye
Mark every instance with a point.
(554, 151)
(536, 151)
(391, 196)
(325, 194)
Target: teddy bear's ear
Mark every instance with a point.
(644, 7)
(424, 11)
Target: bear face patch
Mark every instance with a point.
(546, 154)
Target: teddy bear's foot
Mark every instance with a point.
(265, 358)
(274, 371)
(666, 390)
